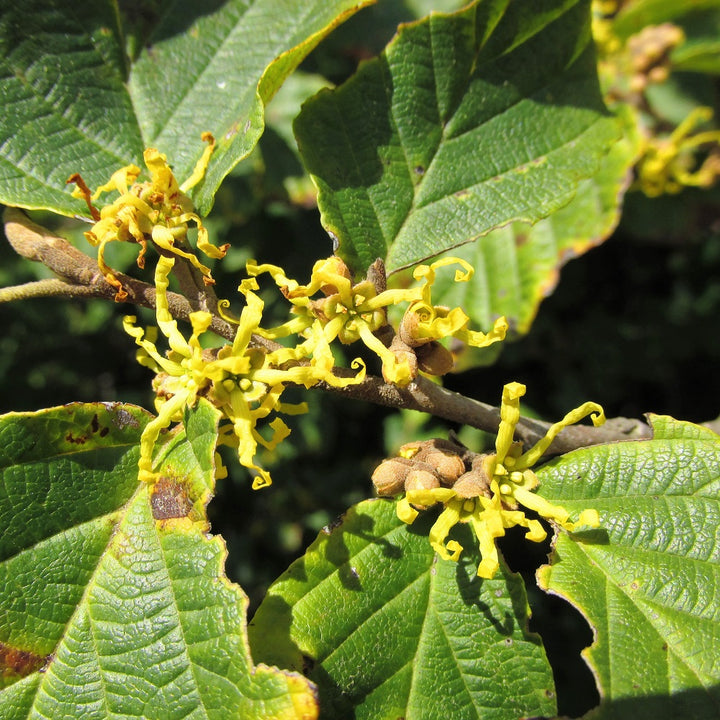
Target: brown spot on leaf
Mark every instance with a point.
(19, 663)
(104, 431)
(169, 499)
(79, 440)
(95, 424)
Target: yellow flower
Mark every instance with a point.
(502, 485)
(356, 311)
(669, 164)
(244, 382)
(158, 210)
(424, 322)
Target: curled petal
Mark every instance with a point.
(168, 413)
(151, 357)
(120, 180)
(275, 272)
(538, 450)
(165, 321)
(292, 408)
(406, 512)
(394, 371)
(163, 180)
(280, 432)
(201, 165)
(588, 518)
(434, 325)
(486, 531)
(250, 318)
(431, 496)
(541, 506)
(163, 238)
(509, 416)
(480, 339)
(447, 519)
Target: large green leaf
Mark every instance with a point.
(649, 580)
(387, 629)
(112, 596)
(517, 266)
(74, 101)
(466, 122)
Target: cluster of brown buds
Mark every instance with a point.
(435, 463)
(650, 53)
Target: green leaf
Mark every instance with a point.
(465, 123)
(634, 16)
(700, 52)
(387, 629)
(649, 580)
(517, 266)
(74, 101)
(114, 590)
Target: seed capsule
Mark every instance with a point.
(434, 358)
(448, 466)
(389, 476)
(476, 482)
(421, 480)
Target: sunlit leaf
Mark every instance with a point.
(112, 593)
(387, 629)
(649, 579)
(466, 122)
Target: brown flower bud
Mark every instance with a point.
(434, 358)
(389, 476)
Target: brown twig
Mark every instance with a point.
(79, 276)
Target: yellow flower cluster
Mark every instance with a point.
(669, 163)
(244, 382)
(158, 210)
(350, 312)
(502, 486)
